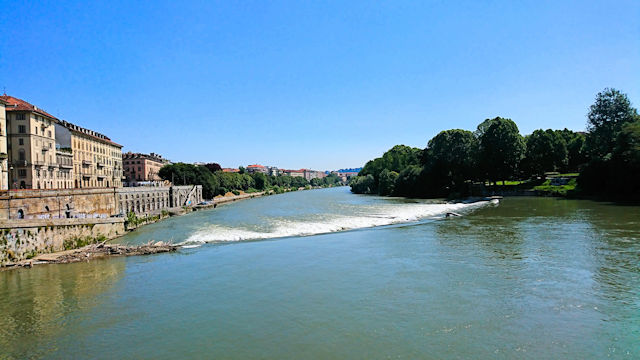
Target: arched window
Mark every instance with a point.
(20, 214)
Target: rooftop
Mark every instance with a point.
(15, 104)
(90, 133)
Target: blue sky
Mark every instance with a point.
(315, 84)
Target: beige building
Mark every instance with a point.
(30, 146)
(4, 170)
(142, 167)
(97, 161)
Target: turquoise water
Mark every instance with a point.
(529, 278)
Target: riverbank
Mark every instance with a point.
(49, 247)
(91, 252)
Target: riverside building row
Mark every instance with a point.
(274, 171)
(40, 151)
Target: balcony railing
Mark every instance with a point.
(87, 162)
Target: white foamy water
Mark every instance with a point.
(286, 227)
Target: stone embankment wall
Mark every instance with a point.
(24, 239)
(94, 203)
(151, 200)
(40, 221)
(57, 204)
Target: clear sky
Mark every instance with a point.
(315, 84)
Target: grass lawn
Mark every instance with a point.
(546, 187)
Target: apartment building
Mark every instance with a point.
(142, 167)
(4, 167)
(97, 161)
(251, 169)
(30, 144)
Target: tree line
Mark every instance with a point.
(216, 182)
(607, 156)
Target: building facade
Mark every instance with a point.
(30, 136)
(293, 173)
(44, 152)
(150, 200)
(142, 168)
(97, 161)
(251, 169)
(4, 167)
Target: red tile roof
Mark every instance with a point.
(15, 104)
(255, 166)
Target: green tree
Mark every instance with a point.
(363, 184)
(189, 174)
(387, 182)
(260, 180)
(610, 112)
(454, 154)
(409, 181)
(501, 149)
(395, 159)
(545, 151)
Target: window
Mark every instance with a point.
(19, 116)
(49, 133)
(21, 155)
(20, 141)
(22, 129)
(22, 173)
(36, 130)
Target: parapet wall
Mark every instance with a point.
(24, 239)
(57, 204)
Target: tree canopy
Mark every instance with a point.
(607, 116)
(501, 149)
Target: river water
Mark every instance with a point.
(326, 274)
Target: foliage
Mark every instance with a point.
(329, 180)
(450, 157)
(77, 242)
(616, 176)
(213, 167)
(364, 184)
(501, 149)
(607, 116)
(409, 181)
(545, 151)
(386, 183)
(260, 180)
(556, 190)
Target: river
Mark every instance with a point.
(326, 274)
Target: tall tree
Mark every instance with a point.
(545, 151)
(387, 182)
(501, 149)
(610, 112)
(454, 154)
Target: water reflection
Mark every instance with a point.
(36, 303)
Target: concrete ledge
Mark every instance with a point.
(18, 194)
